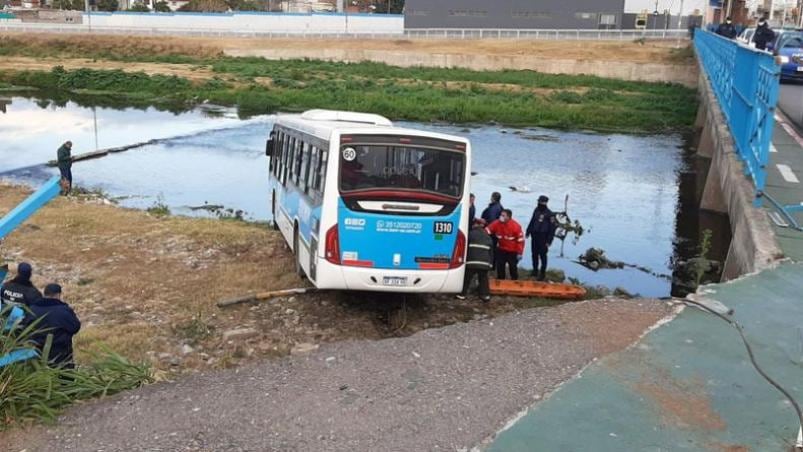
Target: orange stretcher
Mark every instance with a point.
(537, 289)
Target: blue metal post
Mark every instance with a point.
(22, 212)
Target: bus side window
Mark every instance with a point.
(322, 170)
(286, 159)
(312, 178)
(276, 158)
(297, 151)
(303, 174)
(291, 156)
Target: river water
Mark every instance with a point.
(623, 189)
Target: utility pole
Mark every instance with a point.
(88, 14)
(680, 16)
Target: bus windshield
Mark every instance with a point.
(371, 167)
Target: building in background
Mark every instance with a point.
(515, 14)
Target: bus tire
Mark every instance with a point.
(297, 252)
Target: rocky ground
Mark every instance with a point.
(147, 286)
(448, 388)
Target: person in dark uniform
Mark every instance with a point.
(479, 261)
(763, 35)
(53, 316)
(65, 165)
(727, 29)
(20, 290)
(542, 229)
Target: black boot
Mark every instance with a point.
(542, 276)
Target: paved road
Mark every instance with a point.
(791, 102)
(440, 389)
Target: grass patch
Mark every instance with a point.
(159, 209)
(514, 98)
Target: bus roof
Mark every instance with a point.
(322, 123)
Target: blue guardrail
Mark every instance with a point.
(746, 82)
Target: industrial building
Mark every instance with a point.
(515, 14)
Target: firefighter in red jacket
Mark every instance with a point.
(509, 244)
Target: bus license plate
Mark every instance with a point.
(394, 281)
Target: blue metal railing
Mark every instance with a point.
(746, 82)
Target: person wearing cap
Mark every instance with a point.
(54, 317)
(542, 229)
(65, 165)
(20, 290)
(727, 29)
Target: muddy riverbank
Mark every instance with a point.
(146, 287)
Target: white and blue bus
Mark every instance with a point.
(368, 206)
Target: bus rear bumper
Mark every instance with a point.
(332, 276)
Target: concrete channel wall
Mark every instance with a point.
(727, 190)
(649, 72)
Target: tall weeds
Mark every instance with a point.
(34, 391)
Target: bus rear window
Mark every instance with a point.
(370, 167)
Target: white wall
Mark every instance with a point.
(255, 22)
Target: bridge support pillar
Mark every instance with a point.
(706, 145)
(713, 198)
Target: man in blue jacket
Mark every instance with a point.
(542, 229)
(494, 209)
(57, 318)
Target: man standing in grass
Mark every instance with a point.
(65, 166)
(56, 318)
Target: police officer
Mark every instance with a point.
(20, 290)
(726, 29)
(542, 230)
(55, 317)
(763, 35)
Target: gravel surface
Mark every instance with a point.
(440, 389)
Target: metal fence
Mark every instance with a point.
(576, 35)
(746, 82)
(427, 33)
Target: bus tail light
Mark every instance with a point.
(332, 247)
(459, 254)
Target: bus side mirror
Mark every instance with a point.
(269, 146)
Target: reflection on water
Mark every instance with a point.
(623, 188)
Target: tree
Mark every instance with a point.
(161, 7)
(108, 5)
(73, 5)
(139, 7)
(206, 6)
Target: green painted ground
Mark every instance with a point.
(688, 385)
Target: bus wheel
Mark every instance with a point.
(297, 249)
